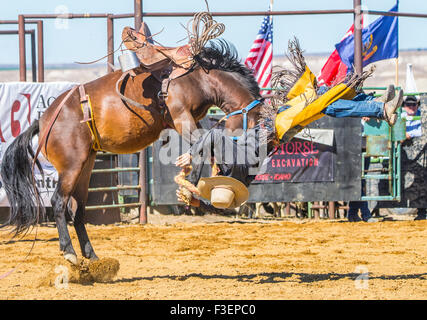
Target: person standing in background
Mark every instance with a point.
(413, 130)
(410, 108)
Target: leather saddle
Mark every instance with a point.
(154, 57)
(164, 63)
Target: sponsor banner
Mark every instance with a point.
(302, 159)
(20, 104)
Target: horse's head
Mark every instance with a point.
(215, 78)
(229, 84)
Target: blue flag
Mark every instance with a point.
(380, 42)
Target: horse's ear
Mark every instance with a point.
(145, 33)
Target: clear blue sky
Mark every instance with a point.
(85, 40)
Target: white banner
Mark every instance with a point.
(20, 104)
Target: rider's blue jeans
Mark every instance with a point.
(361, 106)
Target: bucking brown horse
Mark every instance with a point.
(217, 77)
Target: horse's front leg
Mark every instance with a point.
(186, 126)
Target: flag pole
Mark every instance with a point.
(271, 9)
(396, 79)
(358, 60)
(271, 20)
(397, 58)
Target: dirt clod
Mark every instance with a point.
(86, 272)
(104, 270)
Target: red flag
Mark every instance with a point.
(334, 69)
(260, 56)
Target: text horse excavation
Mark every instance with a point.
(299, 161)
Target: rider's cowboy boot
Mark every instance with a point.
(388, 95)
(391, 106)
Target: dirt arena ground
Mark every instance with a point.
(233, 260)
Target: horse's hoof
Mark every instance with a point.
(71, 258)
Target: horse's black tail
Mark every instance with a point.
(17, 175)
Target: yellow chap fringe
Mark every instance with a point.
(307, 107)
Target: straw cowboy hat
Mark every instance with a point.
(223, 192)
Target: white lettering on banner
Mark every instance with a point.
(20, 104)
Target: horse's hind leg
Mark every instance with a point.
(80, 195)
(67, 182)
(59, 202)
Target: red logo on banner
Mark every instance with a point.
(15, 125)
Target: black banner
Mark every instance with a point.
(299, 161)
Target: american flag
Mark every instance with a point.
(260, 56)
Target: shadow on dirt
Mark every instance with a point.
(11, 241)
(277, 277)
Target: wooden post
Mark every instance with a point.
(40, 52)
(22, 57)
(331, 209)
(316, 212)
(287, 209)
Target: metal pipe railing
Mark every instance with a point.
(66, 16)
(117, 188)
(115, 170)
(40, 55)
(5, 32)
(224, 14)
(113, 206)
(33, 48)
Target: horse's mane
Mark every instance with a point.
(221, 55)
